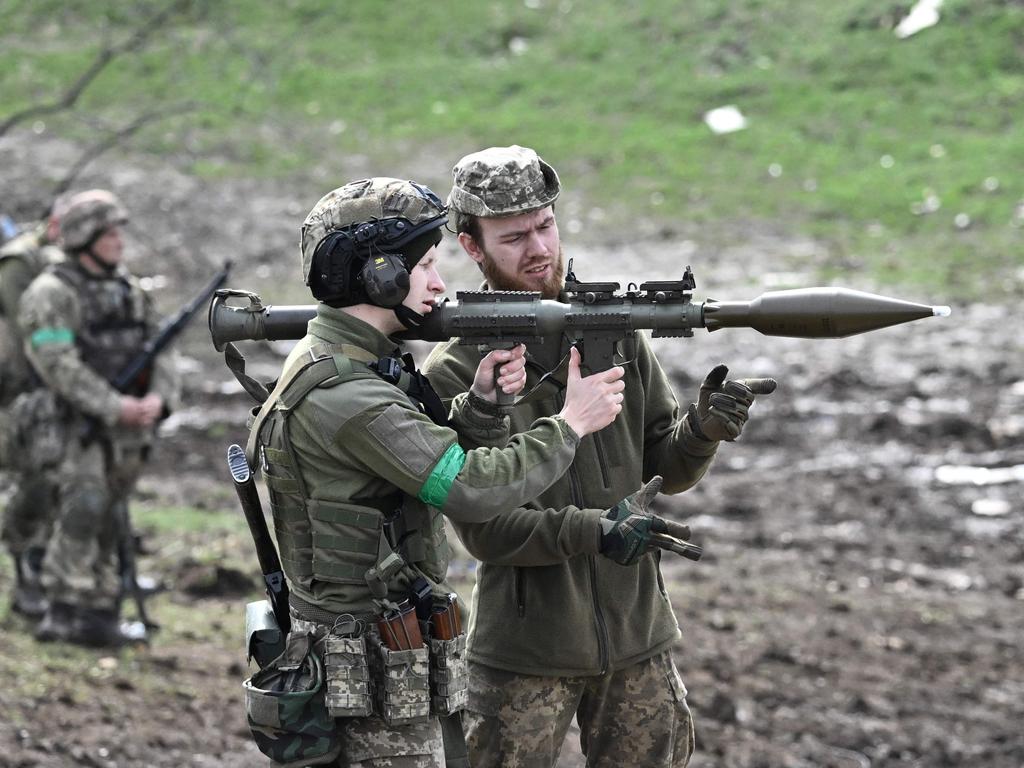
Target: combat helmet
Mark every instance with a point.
(88, 215)
(502, 181)
(360, 241)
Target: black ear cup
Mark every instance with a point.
(385, 279)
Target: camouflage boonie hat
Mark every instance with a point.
(502, 181)
(88, 215)
(378, 198)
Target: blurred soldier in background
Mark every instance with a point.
(83, 321)
(556, 630)
(29, 512)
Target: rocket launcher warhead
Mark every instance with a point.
(816, 313)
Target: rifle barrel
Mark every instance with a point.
(168, 331)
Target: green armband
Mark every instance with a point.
(435, 490)
(52, 336)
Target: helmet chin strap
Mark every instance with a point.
(104, 267)
(408, 317)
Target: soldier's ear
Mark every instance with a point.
(470, 246)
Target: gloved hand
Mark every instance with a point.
(723, 405)
(626, 528)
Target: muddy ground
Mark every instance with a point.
(861, 600)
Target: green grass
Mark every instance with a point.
(185, 520)
(612, 94)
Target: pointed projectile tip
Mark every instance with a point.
(941, 311)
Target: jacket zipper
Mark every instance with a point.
(602, 460)
(520, 592)
(602, 626)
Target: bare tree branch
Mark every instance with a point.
(110, 52)
(114, 139)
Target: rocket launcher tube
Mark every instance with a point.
(255, 320)
(601, 320)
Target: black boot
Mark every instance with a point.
(101, 628)
(58, 623)
(28, 597)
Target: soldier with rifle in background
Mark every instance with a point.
(29, 512)
(84, 321)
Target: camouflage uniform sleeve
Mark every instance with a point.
(670, 448)
(49, 318)
(370, 427)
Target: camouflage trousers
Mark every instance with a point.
(635, 716)
(81, 563)
(28, 516)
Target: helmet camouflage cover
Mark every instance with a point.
(502, 181)
(381, 197)
(88, 215)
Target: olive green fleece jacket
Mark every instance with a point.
(545, 602)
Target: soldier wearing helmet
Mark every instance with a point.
(82, 321)
(361, 462)
(29, 511)
(558, 631)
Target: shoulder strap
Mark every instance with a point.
(320, 363)
(68, 273)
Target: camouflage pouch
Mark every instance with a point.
(449, 675)
(347, 671)
(403, 685)
(284, 705)
(36, 430)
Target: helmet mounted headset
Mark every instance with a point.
(369, 262)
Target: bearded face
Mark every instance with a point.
(547, 276)
(520, 253)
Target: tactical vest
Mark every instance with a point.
(113, 325)
(383, 542)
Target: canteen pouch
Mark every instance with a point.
(449, 675)
(285, 709)
(403, 685)
(263, 638)
(37, 431)
(348, 676)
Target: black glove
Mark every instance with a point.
(626, 528)
(723, 405)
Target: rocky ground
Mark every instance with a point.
(861, 599)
